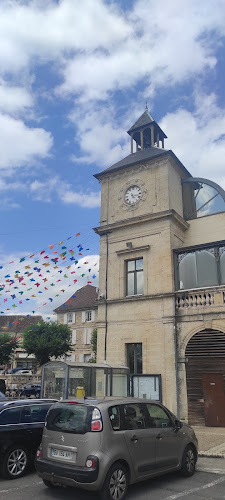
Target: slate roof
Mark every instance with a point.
(140, 156)
(17, 323)
(84, 298)
(145, 119)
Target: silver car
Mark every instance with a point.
(107, 445)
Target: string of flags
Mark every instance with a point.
(60, 265)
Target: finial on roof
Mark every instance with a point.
(146, 106)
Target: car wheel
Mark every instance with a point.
(15, 462)
(188, 462)
(115, 484)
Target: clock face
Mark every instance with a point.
(132, 195)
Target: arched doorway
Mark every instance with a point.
(205, 374)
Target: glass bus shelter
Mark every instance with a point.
(68, 380)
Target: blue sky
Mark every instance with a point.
(74, 77)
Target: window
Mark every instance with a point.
(114, 417)
(34, 413)
(88, 315)
(69, 318)
(200, 267)
(87, 358)
(134, 358)
(10, 416)
(133, 416)
(158, 416)
(135, 277)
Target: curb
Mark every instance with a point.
(210, 455)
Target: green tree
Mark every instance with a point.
(94, 337)
(46, 340)
(8, 344)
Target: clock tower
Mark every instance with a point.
(141, 223)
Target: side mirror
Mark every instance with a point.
(178, 424)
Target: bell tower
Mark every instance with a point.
(146, 132)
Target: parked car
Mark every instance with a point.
(106, 445)
(21, 426)
(31, 390)
(24, 372)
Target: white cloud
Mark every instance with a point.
(21, 145)
(198, 138)
(44, 191)
(14, 99)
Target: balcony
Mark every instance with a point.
(196, 301)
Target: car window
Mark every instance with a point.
(74, 418)
(114, 417)
(133, 416)
(158, 416)
(34, 413)
(10, 416)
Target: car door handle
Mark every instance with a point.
(159, 436)
(134, 438)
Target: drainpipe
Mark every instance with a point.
(106, 294)
(175, 336)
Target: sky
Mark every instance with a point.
(74, 77)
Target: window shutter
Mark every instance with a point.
(65, 319)
(92, 315)
(74, 336)
(74, 317)
(81, 358)
(83, 316)
(89, 334)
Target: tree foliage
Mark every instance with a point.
(46, 340)
(94, 337)
(8, 344)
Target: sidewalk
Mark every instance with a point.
(211, 441)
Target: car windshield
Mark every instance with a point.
(70, 417)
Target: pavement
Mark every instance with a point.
(211, 441)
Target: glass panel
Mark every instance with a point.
(188, 272)
(72, 418)
(114, 417)
(206, 268)
(138, 358)
(78, 382)
(11, 416)
(159, 416)
(130, 357)
(130, 284)
(119, 384)
(222, 268)
(201, 199)
(140, 282)
(147, 387)
(54, 381)
(133, 416)
(131, 265)
(98, 382)
(139, 264)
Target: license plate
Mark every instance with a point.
(68, 455)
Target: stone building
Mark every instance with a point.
(15, 325)
(161, 308)
(80, 314)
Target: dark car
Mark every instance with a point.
(21, 426)
(31, 390)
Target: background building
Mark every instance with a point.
(15, 326)
(162, 278)
(80, 314)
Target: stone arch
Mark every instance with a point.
(204, 354)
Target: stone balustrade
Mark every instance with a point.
(201, 298)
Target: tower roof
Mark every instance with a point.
(145, 120)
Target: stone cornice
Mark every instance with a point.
(133, 249)
(166, 214)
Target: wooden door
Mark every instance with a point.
(214, 399)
